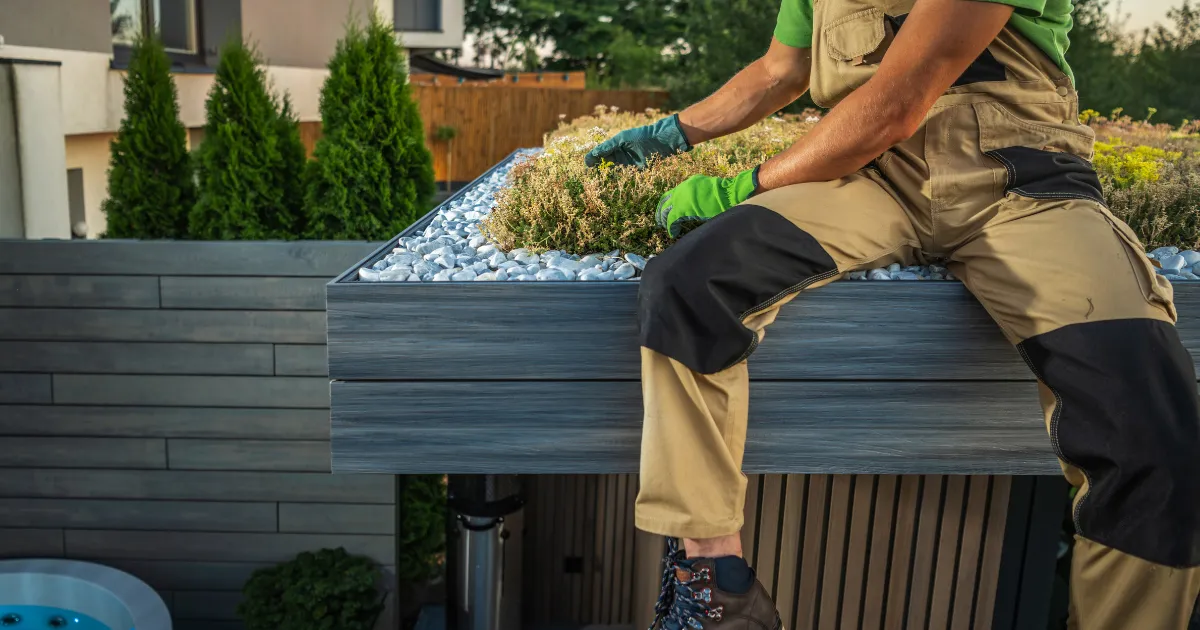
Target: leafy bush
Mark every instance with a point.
(324, 590)
(422, 543)
(251, 161)
(555, 202)
(150, 186)
(373, 174)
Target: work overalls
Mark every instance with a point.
(998, 183)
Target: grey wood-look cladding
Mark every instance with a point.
(67, 452)
(76, 324)
(323, 518)
(289, 456)
(164, 410)
(196, 422)
(312, 259)
(24, 389)
(211, 516)
(301, 360)
(218, 546)
(191, 391)
(565, 331)
(592, 427)
(123, 357)
(277, 294)
(79, 291)
(195, 485)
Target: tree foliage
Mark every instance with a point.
(373, 174)
(150, 187)
(251, 160)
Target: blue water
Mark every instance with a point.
(44, 617)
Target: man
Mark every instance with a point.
(954, 136)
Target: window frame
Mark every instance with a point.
(440, 13)
(180, 61)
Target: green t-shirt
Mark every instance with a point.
(1044, 22)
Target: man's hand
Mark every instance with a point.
(700, 198)
(633, 147)
(939, 41)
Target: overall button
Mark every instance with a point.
(1062, 91)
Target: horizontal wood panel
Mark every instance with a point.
(188, 575)
(211, 546)
(280, 294)
(187, 391)
(181, 258)
(169, 422)
(847, 330)
(323, 518)
(206, 624)
(122, 357)
(595, 427)
(301, 360)
(213, 516)
(279, 455)
(31, 543)
(79, 291)
(66, 452)
(206, 604)
(196, 485)
(83, 324)
(23, 389)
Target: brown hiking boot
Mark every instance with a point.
(691, 600)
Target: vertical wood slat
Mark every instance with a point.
(947, 552)
(854, 575)
(845, 551)
(989, 564)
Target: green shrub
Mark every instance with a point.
(150, 185)
(251, 161)
(422, 542)
(372, 175)
(324, 590)
(1125, 166)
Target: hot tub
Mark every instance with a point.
(37, 594)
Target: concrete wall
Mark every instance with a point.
(165, 414)
(313, 28)
(64, 24)
(36, 98)
(12, 220)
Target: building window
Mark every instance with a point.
(175, 20)
(418, 15)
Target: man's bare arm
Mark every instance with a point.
(759, 90)
(939, 41)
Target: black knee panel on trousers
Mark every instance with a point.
(1128, 416)
(694, 296)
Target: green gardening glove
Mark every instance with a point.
(700, 198)
(633, 147)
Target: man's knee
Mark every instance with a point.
(695, 295)
(1128, 416)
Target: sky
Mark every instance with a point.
(1144, 13)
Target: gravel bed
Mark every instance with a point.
(452, 249)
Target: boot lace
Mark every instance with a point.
(682, 604)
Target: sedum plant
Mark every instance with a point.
(553, 201)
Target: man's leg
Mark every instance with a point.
(704, 305)
(1071, 287)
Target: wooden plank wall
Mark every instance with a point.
(835, 551)
(164, 410)
(537, 80)
(494, 121)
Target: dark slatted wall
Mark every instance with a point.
(822, 544)
(164, 409)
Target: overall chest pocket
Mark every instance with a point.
(848, 52)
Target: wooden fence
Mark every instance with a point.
(493, 121)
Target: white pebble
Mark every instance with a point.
(879, 274)
(1174, 262)
(550, 274)
(464, 275)
(625, 271)
(893, 268)
(367, 274)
